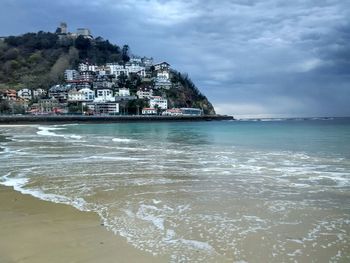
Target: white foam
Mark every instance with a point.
(47, 131)
(197, 244)
(144, 214)
(156, 201)
(16, 183)
(112, 158)
(122, 140)
(78, 137)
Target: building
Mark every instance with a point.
(162, 66)
(191, 111)
(104, 95)
(103, 82)
(85, 32)
(159, 101)
(161, 83)
(147, 62)
(10, 94)
(163, 74)
(81, 95)
(71, 74)
(87, 67)
(131, 67)
(172, 112)
(63, 28)
(124, 92)
(37, 93)
(103, 107)
(51, 105)
(136, 60)
(25, 94)
(87, 76)
(116, 69)
(60, 92)
(149, 111)
(136, 69)
(144, 93)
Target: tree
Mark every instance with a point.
(121, 80)
(125, 54)
(5, 106)
(82, 43)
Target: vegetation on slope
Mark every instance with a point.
(38, 60)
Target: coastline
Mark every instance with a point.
(26, 119)
(33, 230)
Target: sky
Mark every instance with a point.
(251, 58)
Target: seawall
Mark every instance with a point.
(30, 119)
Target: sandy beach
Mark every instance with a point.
(37, 231)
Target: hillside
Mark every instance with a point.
(38, 60)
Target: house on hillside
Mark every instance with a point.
(60, 92)
(10, 94)
(71, 74)
(38, 93)
(145, 92)
(162, 66)
(81, 95)
(25, 94)
(104, 95)
(162, 103)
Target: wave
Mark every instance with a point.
(48, 131)
(122, 140)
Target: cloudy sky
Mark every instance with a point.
(251, 58)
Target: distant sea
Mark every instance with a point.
(230, 191)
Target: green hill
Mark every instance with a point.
(38, 60)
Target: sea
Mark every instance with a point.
(273, 190)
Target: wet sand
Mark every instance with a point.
(33, 230)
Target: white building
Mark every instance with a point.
(144, 93)
(191, 111)
(25, 94)
(162, 66)
(74, 95)
(81, 95)
(116, 69)
(172, 112)
(149, 111)
(148, 62)
(135, 60)
(157, 100)
(103, 107)
(104, 95)
(163, 74)
(124, 92)
(133, 68)
(86, 76)
(162, 83)
(38, 93)
(84, 32)
(86, 67)
(71, 74)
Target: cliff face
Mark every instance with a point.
(38, 60)
(185, 94)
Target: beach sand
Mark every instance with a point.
(32, 230)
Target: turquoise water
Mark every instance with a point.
(268, 191)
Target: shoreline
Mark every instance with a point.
(25, 119)
(35, 231)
